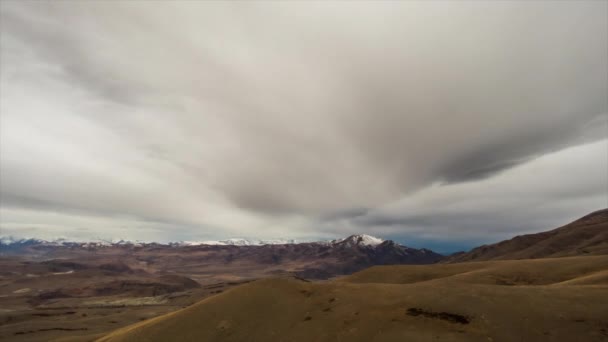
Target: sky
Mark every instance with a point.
(436, 124)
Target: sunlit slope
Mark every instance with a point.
(445, 302)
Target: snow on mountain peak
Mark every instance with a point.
(351, 241)
(369, 240)
(360, 239)
(237, 242)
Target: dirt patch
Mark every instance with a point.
(45, 314)
(138, 301)
(306, 293)
(446, 316)
(48, 329)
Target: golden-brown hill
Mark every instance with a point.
(561, 299)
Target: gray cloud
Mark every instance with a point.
(538, 195)
(270, 118)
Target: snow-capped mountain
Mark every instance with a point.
(11, 241)
(359, 240)
(317, 260)
(236, 242)
(353, 240)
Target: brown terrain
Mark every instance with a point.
(41, 301)
(50, 291)
(557, 292)
(213, 263)
(557, 299)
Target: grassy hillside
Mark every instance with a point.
(560, 299)
(548, 271)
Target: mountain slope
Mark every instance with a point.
(585, 236)
(451, 304)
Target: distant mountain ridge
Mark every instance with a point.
(585, 236)
(315, 260)
(363, 239)
(354, 239)
(10, 240)
(236, 242)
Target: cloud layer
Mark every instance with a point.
(299, 119)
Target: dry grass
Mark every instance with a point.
(561, 299)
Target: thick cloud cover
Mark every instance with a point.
(178, 120)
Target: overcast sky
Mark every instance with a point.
(443, 124)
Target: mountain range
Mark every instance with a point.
(11, 240)
(372, 289)
(549, 286)
(242, 258)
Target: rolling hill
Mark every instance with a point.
(554, 299)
